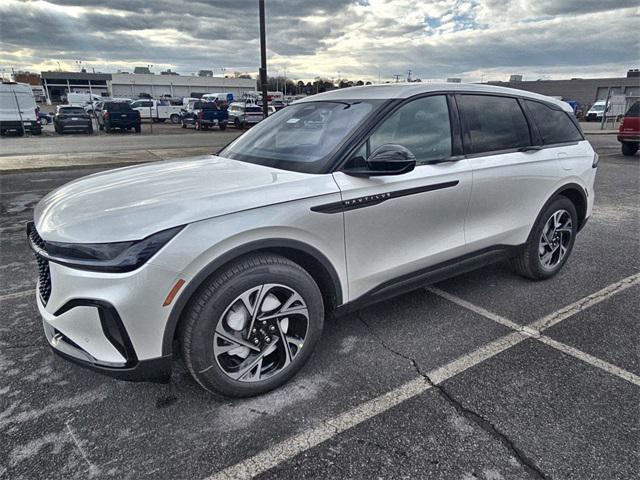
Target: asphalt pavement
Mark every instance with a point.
(485, 376)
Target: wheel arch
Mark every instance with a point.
(578, 197)
(308, 257)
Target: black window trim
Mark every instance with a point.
(385, 112)
(467, 135)
(573, 120)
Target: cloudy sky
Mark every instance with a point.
(359, 39)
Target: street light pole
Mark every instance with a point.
(263, 60)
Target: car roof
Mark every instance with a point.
(389, 91)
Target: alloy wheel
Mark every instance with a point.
(555, 239)
(261, 332)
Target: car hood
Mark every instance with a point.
(133, 202)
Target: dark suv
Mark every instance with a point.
(72, 118)
(118, 115)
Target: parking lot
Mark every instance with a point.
(484, 376)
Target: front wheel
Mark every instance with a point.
(550, 242)
(222, 125)
(253, 326)
(629, 149)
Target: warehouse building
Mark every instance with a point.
(57, 84)
(132, 85)
(585, 91)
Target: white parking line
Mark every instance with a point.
(586, 302)
(312, 437)
(534, 329)
(591, 360)
(23, 293)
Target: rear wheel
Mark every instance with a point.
(237, 124)
(550, 242)
(174, 118)
(253, 326)
(629, 149)
(222, 125)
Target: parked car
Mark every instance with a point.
(241, 114)
(203, 115)
(157, 110)
(18, 110)
(44, 117)
(629, 130)
(341, 199)
(118, 115)
(82, 99)
(72, 118)
(596, 111)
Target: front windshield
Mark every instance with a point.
(301, 137)
(597, 108)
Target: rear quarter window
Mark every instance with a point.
(634, 110)
(493, 123)
(554, 126)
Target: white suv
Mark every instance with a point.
(339, 200)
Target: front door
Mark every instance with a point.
(397, 225)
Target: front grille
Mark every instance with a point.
(44, 276)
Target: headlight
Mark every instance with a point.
(106, 257)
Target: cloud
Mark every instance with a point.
(350, 38)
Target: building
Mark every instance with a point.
(585, 91)
(132, 85)
(58, 84)
(34, 80)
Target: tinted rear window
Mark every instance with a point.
(205, 106)
(117, 107)
(71, 110)
(253, 109)
(494, 123)
(634, 111)
(554, 126)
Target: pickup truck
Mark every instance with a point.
(203, 115)
(117, 115)
(157, 110)
(629, 131)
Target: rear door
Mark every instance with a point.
(398, 225)
(512, 174)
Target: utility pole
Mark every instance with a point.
(263, 61)
(397, 77)
(409, 75)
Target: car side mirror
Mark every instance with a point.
(388, 159)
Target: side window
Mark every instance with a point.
(554, 126)
(422, 126)
(493, 123)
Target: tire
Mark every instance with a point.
(100, 127)
(44, 121)
(205, 127)
(220, 295)
(57, 129)
(37, 131)
(529, 262)
(223, 126)
(237, 124)
(183, 125)
(629, 149)
(174, 118)
(138, 128)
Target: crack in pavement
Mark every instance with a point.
(466, 412)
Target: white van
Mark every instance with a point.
(18, 111)
(82, 99)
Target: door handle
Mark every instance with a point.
(530, 148)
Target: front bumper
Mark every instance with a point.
(113, 323)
